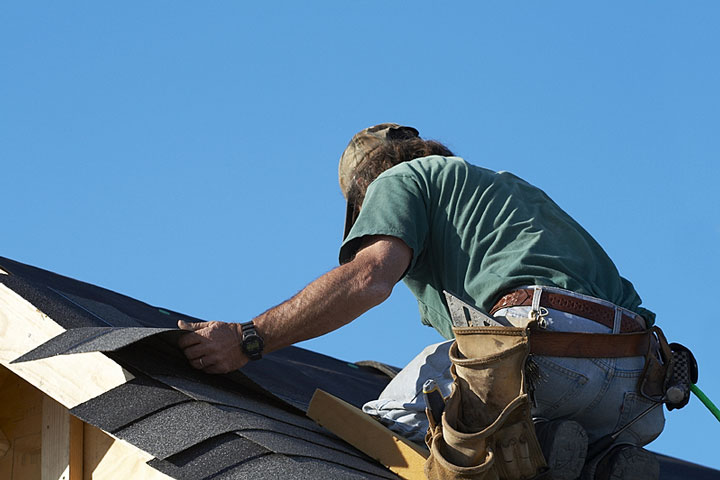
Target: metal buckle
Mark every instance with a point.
(540, 315)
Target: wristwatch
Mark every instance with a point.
(252, 343)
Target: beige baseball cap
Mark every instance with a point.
(362, 145)
(358, 150)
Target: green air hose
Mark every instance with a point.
(705, 400)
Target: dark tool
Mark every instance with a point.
(434, 401)
(683, 380)
(603, 443)
(684, 374)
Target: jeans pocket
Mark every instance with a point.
(644, 430)
(557, 383)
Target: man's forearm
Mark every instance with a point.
(331, 301)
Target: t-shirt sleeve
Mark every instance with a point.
(395, 205)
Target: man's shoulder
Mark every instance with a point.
(437, 162)
(436, 165)
(436, 174)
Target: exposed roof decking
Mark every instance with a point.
(192, 424)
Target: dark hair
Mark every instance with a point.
(391, 153)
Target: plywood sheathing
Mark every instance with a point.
(67, 382)
(20, 422)
(62, 443)
(45, 441)
(69, 379)
(107, 457)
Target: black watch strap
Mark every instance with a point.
(252, 343)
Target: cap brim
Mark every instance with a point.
(350, 216)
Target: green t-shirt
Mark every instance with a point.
(480, 234)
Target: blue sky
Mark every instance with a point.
(185, 153)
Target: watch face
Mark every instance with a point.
(253, 345)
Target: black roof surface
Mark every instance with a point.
(247, 424)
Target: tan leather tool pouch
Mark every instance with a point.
(486, 430)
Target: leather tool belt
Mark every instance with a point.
(593, 345)
(486, 430)
(598, 312)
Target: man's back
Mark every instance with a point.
(480, 234)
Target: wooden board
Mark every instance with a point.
(77, 443)
(4, 441)
(360, 430)
(106, 457)
(61, 443)
(69, 379)
(4, 444)
(20, 422)
(45, 441)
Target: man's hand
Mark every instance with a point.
(213, 347)
(328, 303)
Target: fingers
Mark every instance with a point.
(212, 347)
(208, 365)
(193, 352)
(201, 363)
(189, 340)
(186, 341)
(196, 348)
(191, 326)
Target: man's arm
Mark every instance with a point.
(328, 303)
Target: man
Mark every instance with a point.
(417, 213)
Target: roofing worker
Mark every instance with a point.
(420, 214)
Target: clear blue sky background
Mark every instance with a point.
(186, 153)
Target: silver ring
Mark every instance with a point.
(201, 363)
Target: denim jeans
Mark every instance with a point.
(599, 393)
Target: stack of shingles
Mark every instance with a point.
(200, 430)
(198, 426)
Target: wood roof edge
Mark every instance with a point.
(69, 379)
